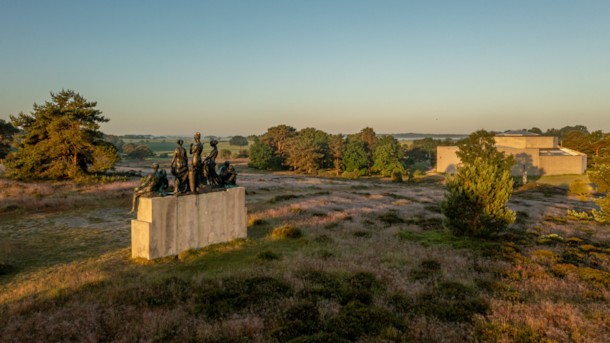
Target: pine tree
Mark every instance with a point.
(387, 156)
(601, 178)
(369, 138)
(304, 155)
(278, 137)
(481, 144)
(577, 140)
(7, 131)
(337, 149)
(476, 199)
(62, 140)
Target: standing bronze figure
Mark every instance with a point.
(155, 182)
(196, 173)
(180, 169)
(209, 165)
(228, 174)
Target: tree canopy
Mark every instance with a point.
(62, 140)
(238, 141)
(481, 144)
(387, 156)
(137, 151)
(355, 157)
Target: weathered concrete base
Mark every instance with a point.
(170, 225)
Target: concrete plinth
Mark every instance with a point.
(170, 225)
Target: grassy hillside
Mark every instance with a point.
(373, 264)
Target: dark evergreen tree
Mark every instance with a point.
(61, 140)
(476, 199)
(369, 138)
(7, 131)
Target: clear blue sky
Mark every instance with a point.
(238, 67)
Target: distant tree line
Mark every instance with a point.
(310, 151)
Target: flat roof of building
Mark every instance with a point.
(516, 133)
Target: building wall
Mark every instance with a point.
(447, 162)
(526, 158)
(446, 159)
(561, 165)
(527, 142)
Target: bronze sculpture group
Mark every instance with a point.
(201, 177)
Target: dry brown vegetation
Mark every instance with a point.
(374, 265)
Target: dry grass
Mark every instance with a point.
(101, 294)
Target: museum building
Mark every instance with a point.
(538, 155)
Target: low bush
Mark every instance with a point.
(286, 231)
(267, 255)
(256, 222)
(285, 197)
(391, 218)
(237, 295)
(5, 268)
(362, 234)
(396, 176)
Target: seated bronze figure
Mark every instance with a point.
(228, 174)
(155, 184)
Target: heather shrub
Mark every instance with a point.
(286, 232)
(476, 200)
(396, 176)
(267, 255)
(5, 268)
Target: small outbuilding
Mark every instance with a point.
(538, 155)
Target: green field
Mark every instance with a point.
(168, 145)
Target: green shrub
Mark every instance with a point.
(236, 295)
(5, 268)
(362, 234)
(579, 187)
(224, 154)
(301, 319)
(256, 222)
(356, 319)
(396, 176)
(323, 239)
(321, 337)
(476, 200)
(391, 218)
(287, 232)
(285, 197)
(267, 255)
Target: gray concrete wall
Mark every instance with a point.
(170, 225)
